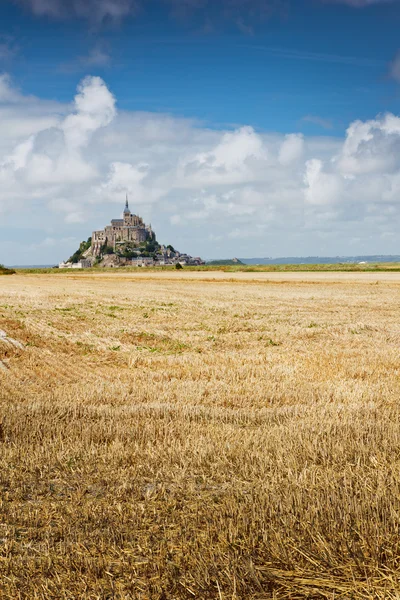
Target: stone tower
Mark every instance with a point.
(130, 229)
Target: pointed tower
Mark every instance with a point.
(127, 212)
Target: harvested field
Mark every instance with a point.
(167, 436)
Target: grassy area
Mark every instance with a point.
(306, 268)
(167, 439)
(5, 271)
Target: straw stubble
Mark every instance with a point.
(177, 438)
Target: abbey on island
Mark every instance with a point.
(126, 242)
(129, 229)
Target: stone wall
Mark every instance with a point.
(131, 229)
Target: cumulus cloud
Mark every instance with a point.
(233, 160)
(52, 157)
(136, 180)
(371, 147)
(291, 149)
(95, 108)
(322, 187)
(361, 182)
(65, 170)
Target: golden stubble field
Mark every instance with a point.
(211, 436)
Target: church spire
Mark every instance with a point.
(127, 211)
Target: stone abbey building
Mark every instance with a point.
(130, 228)
(123, 244)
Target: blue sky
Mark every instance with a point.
(323, 58)
(239, 128)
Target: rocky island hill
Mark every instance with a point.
(127, 242)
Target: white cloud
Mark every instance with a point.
(135, 180)
(292, 149)
(53, 156)
(7, 92)
(371, 147)
(321, 187)
(232, 160)
(95, 108)
(18, 159)
(65, 169)
(50, 160)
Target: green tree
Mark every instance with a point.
(83, 246)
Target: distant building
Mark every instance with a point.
(130, 228)
(144, 261)
(84, 263)
(124, 243)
